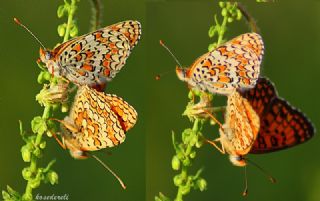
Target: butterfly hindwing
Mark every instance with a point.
(101, 119)
(281, 125)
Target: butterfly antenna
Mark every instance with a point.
(245, 192)
(272, 179)
(177, 61)
(109, 169)
(174, 57)
(23, 26)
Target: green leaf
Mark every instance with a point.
(38, 125)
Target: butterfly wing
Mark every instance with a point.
(236, 64)
(281, 125)
(241, 125)
(102, 119)
(97, 57)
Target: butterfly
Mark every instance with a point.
(258, 121)
(96, 121)
(94, 58)
(233, 65)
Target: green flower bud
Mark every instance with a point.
(74, 31)
(239, 15)
(224, 12)
(52, 176)
(230, 19)
(202, 184)
(26, 173)
(38, 125)
(186, 162)
(212, 31)
(177, 180)
(26, 153)
(175, 163)
(37, 152)
(43, 145)
(49, 134)
(61, 30)
(193, 154)
(55, 106)
(6, 196)
(222, 4)
(61, 11)
(193, 140)
(47, 75)
(199, 143)
(190, 95)
(64, 108)
(185, 190)
(41, 78)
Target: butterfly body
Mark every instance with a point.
(233, 65)
(96, 121)
(94, 58)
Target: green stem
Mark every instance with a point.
(222, 31)
(72, 10)
(33, 162)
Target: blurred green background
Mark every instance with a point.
(291, 35)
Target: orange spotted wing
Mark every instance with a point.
(281, 125)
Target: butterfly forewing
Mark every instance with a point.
(95, 58)
(233, 65)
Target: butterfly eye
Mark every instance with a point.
(48, 55)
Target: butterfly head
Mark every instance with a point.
(45, 55)
(238, 160)
(182, 73)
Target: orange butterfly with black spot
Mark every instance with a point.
(258, 121)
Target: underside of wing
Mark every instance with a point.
(233, 65)
(98, 56)
(243, 123)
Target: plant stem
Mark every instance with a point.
(33, 162)
(222, 31)
(72, 10)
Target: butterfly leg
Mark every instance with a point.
(59, 141)
(213, 143)
(214, 119)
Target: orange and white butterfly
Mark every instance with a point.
(233, 65)
(94, 58)
(257, 121)
(96, 121)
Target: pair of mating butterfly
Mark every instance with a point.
(96, 120)
(257, 120)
